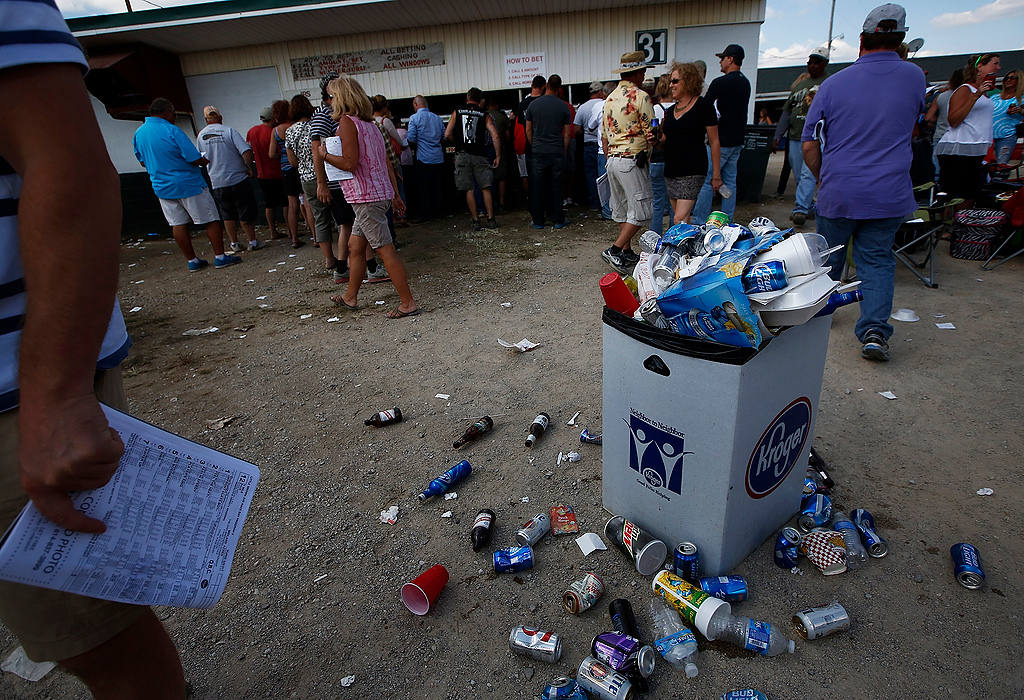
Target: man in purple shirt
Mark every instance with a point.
(857, 142)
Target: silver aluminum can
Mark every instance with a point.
(532, 530)
(814, 623)
(582, 593)
(602, 683)
(538, 644)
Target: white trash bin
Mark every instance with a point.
(705, 443)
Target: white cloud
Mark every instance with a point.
(999, 9)
(771, 13)
(796, 54)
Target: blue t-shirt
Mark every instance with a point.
(167, 155)
(33, 32)
(864, 116)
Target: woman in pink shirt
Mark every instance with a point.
(370, 191)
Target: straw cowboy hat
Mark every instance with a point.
(631, 61)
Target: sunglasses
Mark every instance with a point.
(675, 81)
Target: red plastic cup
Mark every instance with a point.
(617, 296)
(420, 593)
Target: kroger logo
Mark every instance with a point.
(779, 449)
(656, 453)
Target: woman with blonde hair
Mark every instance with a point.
(966, 143)
(1007, 115)
(691, 119)
(370, 191)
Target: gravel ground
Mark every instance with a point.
(313, 596)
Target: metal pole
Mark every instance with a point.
(128, 4)
(831, 16)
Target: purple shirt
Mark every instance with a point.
(868, 112)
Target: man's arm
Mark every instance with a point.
(566, 135)
(323, 190)
(65, 442)
(492, 128)
(529, 130)
(812, 157)
(450, 129)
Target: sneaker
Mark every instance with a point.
(197, 265)
(491, 223)
(875, 347)
(538, 226)
(616, 261)
(629, 257)
(226, 261)
(476, 225)
(379, 275)
(341, 272)
(565, 222)
(799, 218)
(256, 245)
(237, 247)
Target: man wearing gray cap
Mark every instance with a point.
(590, 138)
(795, 110)
(857, 138)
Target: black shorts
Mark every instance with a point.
(961, 176)
(292, 184)
(273, 192)
(342, 211)
(236, 202)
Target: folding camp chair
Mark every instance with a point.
(1014, 206)
(925, 228)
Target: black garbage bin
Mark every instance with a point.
(753, 163)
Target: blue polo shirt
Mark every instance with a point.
(426, 130)
(864, 116)
(167, 155)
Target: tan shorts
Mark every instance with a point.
(52, 625)
(632, 199)
(372, 223)
(199, 209)
(472, 171)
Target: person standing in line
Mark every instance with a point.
(581, 125)
(173, 166)
(268, 170)
(938, 113)
(62, 346)
(231, 166)
(548, 123)
(299, 151)
(522, 144)
(467, 129)
(627, 136)
(290, 176)
(425, 132)
(371, 190)
(382, 115)
(794, 114)
(501, 122)
(662, 101)
(729, 94)
(597, 124)
(857, 140)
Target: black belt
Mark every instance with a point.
(630, 157)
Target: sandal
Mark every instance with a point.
(398, 313)
(298, 243)
(340, 301)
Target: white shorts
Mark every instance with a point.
(199, 209)
(521, 159)
(632, 199)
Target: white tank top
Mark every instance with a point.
(973, 136)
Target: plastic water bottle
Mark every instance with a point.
(747, 633)
(675, 641)
(856, 555)
(648, 242)
(725, 192)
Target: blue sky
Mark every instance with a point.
(791, 30)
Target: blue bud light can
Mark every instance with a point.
(967, 565)
(513, 559)
(732, 589)
(865, 523)
(687, 562)
(816, 512)
(764, 277)
(787, 548)
(745, 694)
(563, 689)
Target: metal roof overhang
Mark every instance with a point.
(234, 23)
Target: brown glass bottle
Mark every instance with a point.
(474, 431)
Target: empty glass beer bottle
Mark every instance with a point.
(483, 526)
(384, 417)
(537, 428)
(474, 431)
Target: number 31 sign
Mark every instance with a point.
(653, 42)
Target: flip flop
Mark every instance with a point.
(397, 313)
(340, 301)
(298, 244)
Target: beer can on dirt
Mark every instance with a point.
(646, 552)
(563, 689)
(730, 588)
(745, 694)
(816, 511)
(687, 562)
(717, 219)
(533, 529)
(865, 523)
(538, 644)
(967, 565)
(582, 594)
(513, 559)
(814, 623)
(624, 654)
(603, 683)
(787, 550)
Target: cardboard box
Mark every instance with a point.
(709, 451)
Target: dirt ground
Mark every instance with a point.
(313, 596)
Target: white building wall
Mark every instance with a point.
(580, 47)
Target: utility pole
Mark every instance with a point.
(831, 16)
(128, 4)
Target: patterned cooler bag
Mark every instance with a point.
(974, 232)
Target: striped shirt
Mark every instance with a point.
(321, 127)
(370, 182)
(31, 32)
